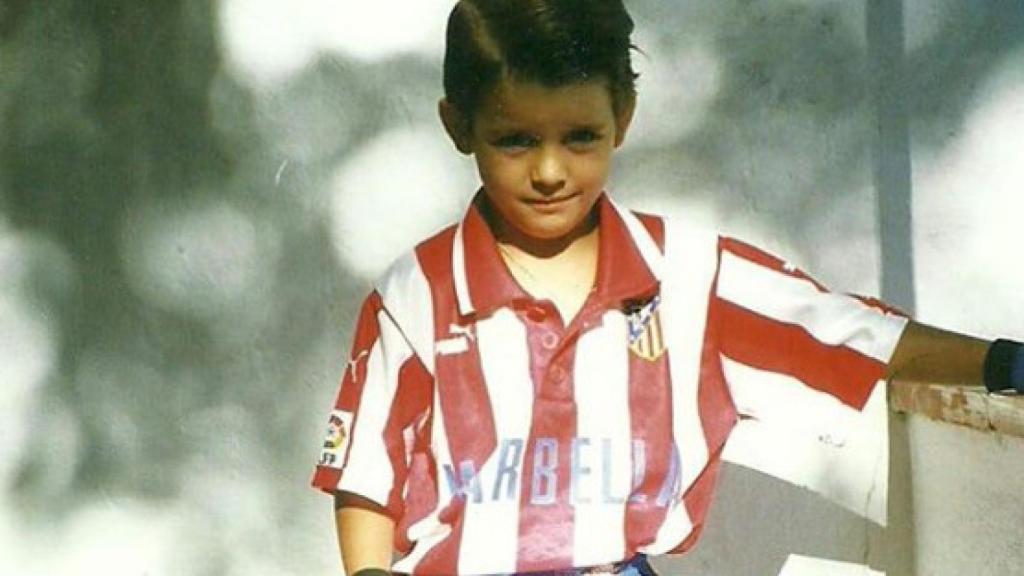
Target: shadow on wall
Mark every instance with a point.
(757, 522)
(182, 249)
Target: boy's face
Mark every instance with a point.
(543, 153)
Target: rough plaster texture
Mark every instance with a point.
(757, 521)
(966, 406)
(968, 513)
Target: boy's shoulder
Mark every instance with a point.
(408, 284)
(679, 228)
(432, 252)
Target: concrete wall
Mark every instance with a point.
(953, 509)
(966, 500)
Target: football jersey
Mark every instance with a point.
(502, 440)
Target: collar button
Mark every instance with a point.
(549, 340)
(536, 314)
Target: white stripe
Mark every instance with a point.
(490, 533)
(692, 257)
(676, 527)
(369, 470)
(686, 291)
(782, 400)
(832, 319)
(602, 411)
(643, 241)
(407, 298)
(459, 273)
(850, 472)
(429, 532)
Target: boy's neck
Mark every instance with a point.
(561, 270)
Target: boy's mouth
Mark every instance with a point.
(554, 201)
(551, 205)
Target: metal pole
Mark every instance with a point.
(892, 168)
(893, 547)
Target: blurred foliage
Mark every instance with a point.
(108, 114)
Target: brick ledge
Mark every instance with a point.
(970, 406)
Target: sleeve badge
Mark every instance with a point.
(336, 440)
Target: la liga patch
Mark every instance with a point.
(339, 431)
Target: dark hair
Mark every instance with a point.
(553, 42)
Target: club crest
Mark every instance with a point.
(645, 337)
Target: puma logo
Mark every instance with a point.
(457, 342)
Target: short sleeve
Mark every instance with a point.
(379, 412)
(790, 348)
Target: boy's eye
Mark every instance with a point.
(583, 136)
(515, 141)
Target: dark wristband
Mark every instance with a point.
(1004, 366)
(372, 572)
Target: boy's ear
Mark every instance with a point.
(456, 125)
(623, 118)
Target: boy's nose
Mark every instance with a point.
(549, 172)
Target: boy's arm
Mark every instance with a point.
(364, 463)
(365, 533)
(930, 355)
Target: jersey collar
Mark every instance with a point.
(628, 267)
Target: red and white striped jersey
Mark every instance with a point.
(502, 441)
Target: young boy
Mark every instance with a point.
(546, 386)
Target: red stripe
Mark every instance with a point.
(718, 417)
(412, 399)
(326, 479)
(469, 425)
(714, 401)
(422, 497)
(367, 333)
(650, 411)
(488, 280)
(764, 259)
(461, 392)
(655, 226)
(350, 391)
(788, 349)
(751, 253)
(435, 258)
(622, 271)
(880, 306)
(546, 530)
(767, 260)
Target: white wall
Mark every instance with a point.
(968, 509)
